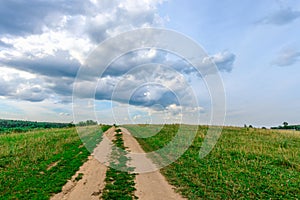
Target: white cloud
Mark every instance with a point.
(281, 17)
(286, 57)
(46, 55)
(224, 60)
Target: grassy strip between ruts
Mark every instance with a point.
(244, 164)
(119, 183)
(36, 164)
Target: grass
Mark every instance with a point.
(245, 164)
(119, 182)
(79, 177)
(35, 165)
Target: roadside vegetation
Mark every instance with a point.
(36, 164)
(119, 182)
(245, 163)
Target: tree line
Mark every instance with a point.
(285, 125)
(22, 126)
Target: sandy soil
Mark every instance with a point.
(89, 187)
(94, 172)
(151, 185)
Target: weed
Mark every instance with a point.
(119, 183)
(79, 177)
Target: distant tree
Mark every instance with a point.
(250, 126)
(87, 123)
(263, 127)
(22, 126)
(91, 122)
(285, 124)
(245, 125)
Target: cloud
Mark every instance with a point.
(32, 16)
(145, 86)
(4, 45)
(17, 85)
(53, 38)
(133, 59)
(24, 86)
(224, 60)
(64, 114)
(60, 64)
(46, 42)
(281, 17)
(51, 28)
(286, 57)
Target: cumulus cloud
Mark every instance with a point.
(60, 64)
(281, 17)
(287, 57)
(44, 46)
(135, 58)
(19, 85)
(49, 27)
(224, 60)
(153, 86)
(4, 45)
(32, 16)
(53, 38)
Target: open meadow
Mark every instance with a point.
(246, 163)
(36, 164)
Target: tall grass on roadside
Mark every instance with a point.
(253, 163)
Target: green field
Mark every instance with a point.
(34, 165)
(245, 163)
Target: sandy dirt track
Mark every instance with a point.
(151, 185)
(94, 173)
(89, 187)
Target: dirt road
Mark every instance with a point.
(91, 184)
(149, 186)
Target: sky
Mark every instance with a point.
(255, 46)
